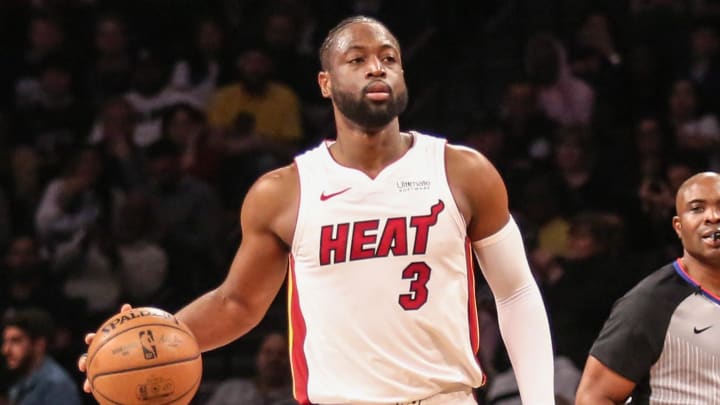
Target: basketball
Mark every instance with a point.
(144, 356)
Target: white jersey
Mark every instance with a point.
(381, 288)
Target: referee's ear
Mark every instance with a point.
(325, 84)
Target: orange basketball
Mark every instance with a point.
(144, 356)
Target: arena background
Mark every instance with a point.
(593, 111)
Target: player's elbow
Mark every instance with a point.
(239, 310)
(588, 396)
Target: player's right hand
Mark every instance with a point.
(83, 357)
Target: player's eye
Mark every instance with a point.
(356, 61)
(389, 58)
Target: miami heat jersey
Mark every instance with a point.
(381, 288)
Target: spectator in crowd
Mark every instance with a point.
(143, 263)
(694, 130)
(73, 222)
(563, 98)
(205, 66)
(110, 68)
(187, 127)
(27, 336)
(45, 38)
(271, 384)
(256, 95)
(190, 220)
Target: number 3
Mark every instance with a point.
(419, 272)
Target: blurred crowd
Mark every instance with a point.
(131, 130)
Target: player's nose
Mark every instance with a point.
(375, 68)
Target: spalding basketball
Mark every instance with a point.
(144, 357)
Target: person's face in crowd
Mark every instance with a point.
(110, 36)
(569, 154)
(365, 78)
(281, 32)
(56, 81)
(519, 101)
(648, 137)
(698, 217)
(118, 119)
(272, 360)
(581, 242)
(255, 69)
(209, 37)
(19, 350)
(682, 99)
(704, 43)
(21, 258)
(166, 171)
(150, 75)
(182, 127)
(45, 35)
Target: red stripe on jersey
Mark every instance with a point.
(473, 321)
(298, 362)
(472, 304)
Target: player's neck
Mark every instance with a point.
(706, 275)
(370, 151)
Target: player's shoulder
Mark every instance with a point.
(277, 181)
(466, 158)
(468, 168)
(274, 190)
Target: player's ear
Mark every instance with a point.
(677, 226)
(325, 84)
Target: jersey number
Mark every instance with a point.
(419, 273)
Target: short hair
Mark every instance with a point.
(336, 30)
(35, 322)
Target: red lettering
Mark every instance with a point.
(394, 237)
(360, 239)
(422, 224)
(333, 240)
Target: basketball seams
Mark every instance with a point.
(92, 354)
(189, 391)
(170, 363)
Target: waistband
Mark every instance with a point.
(445, 398)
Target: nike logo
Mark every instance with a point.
(696, 330)
(324, 196)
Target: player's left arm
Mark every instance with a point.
(481, 196)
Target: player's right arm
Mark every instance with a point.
(600, 385)
(258, 269)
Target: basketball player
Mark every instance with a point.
(377, 229)
(661, 343)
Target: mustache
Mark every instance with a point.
(375, 83)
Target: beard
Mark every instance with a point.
(367, 113)
(22, 367)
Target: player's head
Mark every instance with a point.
(25, 338)
(362, 72)
(697, 219)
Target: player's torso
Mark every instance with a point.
(381, 300)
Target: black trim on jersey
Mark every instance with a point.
(632, 338)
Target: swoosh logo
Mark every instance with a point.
(696, 330)
(324, 196)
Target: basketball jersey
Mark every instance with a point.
(381, 288)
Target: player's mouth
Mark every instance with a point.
(712, 238)
(377, 91)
